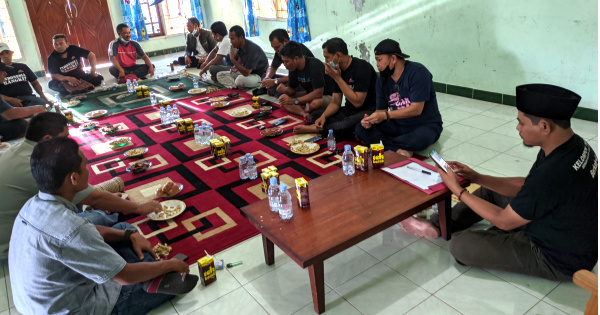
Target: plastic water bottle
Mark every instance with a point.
(285, 203)
(153, 98)
(169, 116)
(210, 133)
(103, 85)
(331, 141)
(197, 134)
(163, 115)
(129, 86)
(273, 194)
(203, 133)
(348, 161)
(135, 83)
(196, 85)
(251, 167)
(156, 77)
(243, 172)
(58, 100)
(175, 112)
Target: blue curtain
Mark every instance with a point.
(132, 16)
(250, 19)
(297, 21)
(197, 11)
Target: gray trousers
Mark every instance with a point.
(494, 248)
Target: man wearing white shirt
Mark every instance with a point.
(217, 58)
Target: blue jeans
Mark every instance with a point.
(133, 299)
(31, 100)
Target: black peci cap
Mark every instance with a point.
(389, 47)
(547, 101)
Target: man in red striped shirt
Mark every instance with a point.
(123, 54)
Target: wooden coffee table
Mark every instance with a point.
(345, 210)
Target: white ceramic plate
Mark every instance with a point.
(171, 204)
(96, 113)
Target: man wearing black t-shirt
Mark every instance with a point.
(15, 88)
(545, 224)
(309, 73)
(64, 63)
(276, 83)
(355, 79)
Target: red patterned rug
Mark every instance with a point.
(213, 190)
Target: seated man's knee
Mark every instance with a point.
(461, 247)
(214, 70)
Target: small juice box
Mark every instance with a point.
(206, 265)
(302, 193)
(377, 153)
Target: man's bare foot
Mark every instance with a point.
(420, 227)
(300, 129)
(307, 118)
(405, 153)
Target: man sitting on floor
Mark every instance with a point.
(123, 53)
(273, 81)
(15, 88)
(407, 118)
(309, 73)
(217, 59)
(18, 185)
(61, 263)
(546, 224)
(249, 62)
(199, 43)
(65, 65)
(355, 79)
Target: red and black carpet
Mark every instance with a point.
(213, 190)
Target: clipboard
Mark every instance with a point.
(431, 189)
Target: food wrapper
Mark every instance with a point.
(361, 157)
(181, 127)
(189, 124)
(206, 265)
(302, 193)
(264, 180)
(227, 144)
(377, 154)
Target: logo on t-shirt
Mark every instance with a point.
(20, 71)
(70, 66)
(396, 102)
(350, 84)
(21, 77)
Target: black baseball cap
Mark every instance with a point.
(547, 101)
(389, 47)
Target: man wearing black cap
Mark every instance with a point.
(545, 224)
(407, 117)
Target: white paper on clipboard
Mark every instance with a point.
(415, 177)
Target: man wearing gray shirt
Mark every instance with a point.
(61, 263)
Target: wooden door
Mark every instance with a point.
(48, 17)
(93, 26)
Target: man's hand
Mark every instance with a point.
(139, 244)
(333, 73)
(450, 179)
(373, 119)
(320, 122)
(268, 83)
(365, 123)
(73, 81)
(179, 266)
(281, 88)
(233, 69)
(464, 171)
(121, 74)
(93, 72)
(188, 61)
(48, 101)
(15, 102)
(149, 207)
(285, 100)
(232, 53)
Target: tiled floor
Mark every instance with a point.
(393, 272)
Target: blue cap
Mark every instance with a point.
(347, 147)
(330, 130)
(196, 125)
(128, 80)
(251, 158)
(242, 159)
(203, 123)
(248, 155)
(273, 180)
(282, 187)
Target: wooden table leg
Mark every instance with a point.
(444, 208)
(317, 285)
(269, 249)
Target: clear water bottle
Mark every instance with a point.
(348, 161)
(169, 116)
(197, 134)
(285, 203)
(129, 86)
(135, 84)
(243, 172)
(203, 133)
(153, 100)
(163, 115)
(103, 85)
(156, 77)
(251, 167)
(175, 112)
(331, 141)
(196, 85)
(58, 100)
(210, 133)
(273, 194)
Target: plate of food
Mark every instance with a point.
(119, 142)
(177, 87)
(271, 132)
(96, 113)
(78, 97)
(137, 152)
(217, 98)
(304, 148)
(220, 104)
(211, 89)
(174, 77)
(88, 125)
(110, 129)
(265, 108)
(168, 190)
(171, 209)
(138, 167)
(72, 103)
(240, 113)
(197, 91)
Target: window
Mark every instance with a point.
(152, 18)
(7, 32)
(175, 15)
(270, 9)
